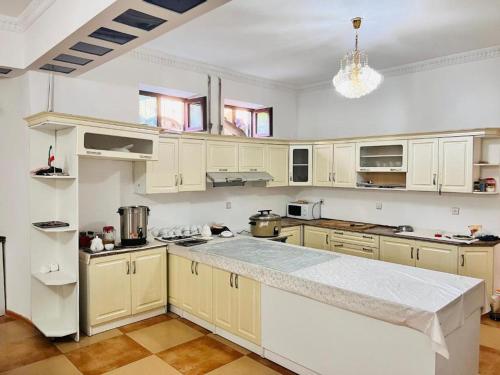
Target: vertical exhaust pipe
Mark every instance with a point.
(221, 124)
(209, 104)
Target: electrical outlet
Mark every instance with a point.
(228, 205)
(378, 205)
(321, 201)
(455, 210)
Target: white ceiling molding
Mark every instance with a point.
(154, 56)
(424, 65)
(26, 18)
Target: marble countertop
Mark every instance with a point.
(152, 244)
(434, 303)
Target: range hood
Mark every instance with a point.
(219, 179)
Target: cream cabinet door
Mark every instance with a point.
(397, 250)
(317, 238)
(149, 279)
(109, 288)
(294, 235)
(188, 286)
(247, 322)
(192, 165)
(355, 250)
(455, 164)
(422, 164)
(322, 165)
(222, 156)
(223, 299)
(203, 291)
(174, 280)
(277, 165)
(300, 165)
(344, 165)
(477, 262)
(162, 175)
(436, 256)
(251, 157)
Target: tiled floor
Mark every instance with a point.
(164, 345)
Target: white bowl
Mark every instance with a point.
(109, 246)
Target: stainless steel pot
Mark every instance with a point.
(265, 224)
(133, 225)
(404, 228)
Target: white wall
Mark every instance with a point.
(456, 97)
(111, 91)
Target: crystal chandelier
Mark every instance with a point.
(355, 78)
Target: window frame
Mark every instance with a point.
(187, 102)
(253, 125)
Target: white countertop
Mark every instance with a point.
(434, 303)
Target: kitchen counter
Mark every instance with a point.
(87, 255)
(375, 229)
(431, 302)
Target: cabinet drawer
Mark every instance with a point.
(354, 238)
(355, 250)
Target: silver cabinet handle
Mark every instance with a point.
(368, 237)
(192, 264)
(434, 179)
(363, 169)
(333, 176)
(94, 152)
(411, 253)
(418, 254)
(327, 238)
(176, 180)
(440, 187)
(236, 281)
(128, 267)
(222, 169)
(339, 245)
(339, 233)
(329, 176)
(394, 169)
(196, 268)
(290, 177)
(180, 179)
(367, 249)
(463, 260)
(134, 267)
(231, 280)
(145, 156)
(253, 169)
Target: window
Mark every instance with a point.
(248, 122)
(172, 112)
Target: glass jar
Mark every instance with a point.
(108, 235)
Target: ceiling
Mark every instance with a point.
(13, 8)
(301, 42)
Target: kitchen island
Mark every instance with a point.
(336, 314)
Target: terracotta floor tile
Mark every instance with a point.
(263, 361)
(16, 330)
(149, 365)
(144, 323)
(199, 356)
(26, 351)
(490, 337)
(243, 366)
(5, 319)
(107, 355)
(229, 343)
(164, 335)
(195, 326)
(489, 361)
(487, 321)
(58, 365)
(68, 344)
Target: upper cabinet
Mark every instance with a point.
(300, 165)
(344, 165)
(277, 164)
(422, 164)
(251, 157)
(381, 156)
(118, 142)
(455, 164)
(322, 165)
(222, 156)
(192, 165)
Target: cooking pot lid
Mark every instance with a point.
(132, 208)
(265, 215)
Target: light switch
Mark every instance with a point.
(378, 205)
(228, 205)
(455, 210)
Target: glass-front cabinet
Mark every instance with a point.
(300, 165)
(381, 156)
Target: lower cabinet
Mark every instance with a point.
(317, 238)
(355, 250)
(190, 287)
(294, 235)
(423, 254)
(118, 286)
(237, 305)
(477, 262)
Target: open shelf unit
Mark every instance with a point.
(54, 295)
(487, 161)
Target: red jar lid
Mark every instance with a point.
(108, 228)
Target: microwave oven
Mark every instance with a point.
(301, 210)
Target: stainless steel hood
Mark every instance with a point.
(219, 179)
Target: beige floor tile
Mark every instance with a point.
(70, 344)
(490, 337)
(229, 343)
(145, 323)
(148, 365)
(164, 335)
(489, 361)
(58, 365)
(16, 330)
(243, 366)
